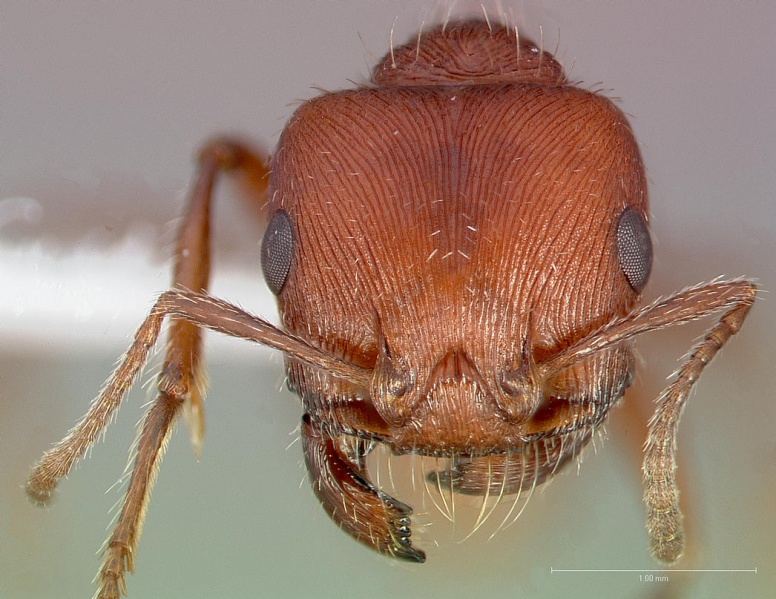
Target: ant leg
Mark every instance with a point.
(200, 310)
(181, 381)
(192, 270)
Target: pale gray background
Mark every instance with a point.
(102, 106)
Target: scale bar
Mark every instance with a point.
(553, 570)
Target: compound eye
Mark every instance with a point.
(634, 248)
(277, 251)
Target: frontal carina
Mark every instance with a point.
(458, 252)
